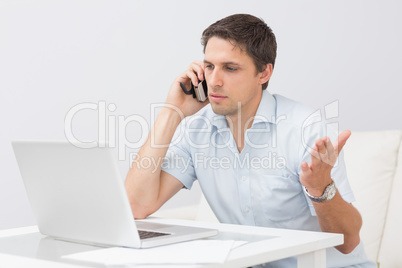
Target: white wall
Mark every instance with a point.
(57, 54)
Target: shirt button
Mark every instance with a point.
(243, 178)
(246, 209)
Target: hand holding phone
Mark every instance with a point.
(200, 93)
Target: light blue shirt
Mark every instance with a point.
(260, 185)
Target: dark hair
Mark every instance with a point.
(250, 34)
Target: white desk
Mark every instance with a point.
(26, 247)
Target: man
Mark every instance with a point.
(251, 152)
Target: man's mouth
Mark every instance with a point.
(216, 97)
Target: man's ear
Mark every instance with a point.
(266, 74)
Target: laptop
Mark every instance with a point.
(78, 195)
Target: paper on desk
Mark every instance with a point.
(192, 252)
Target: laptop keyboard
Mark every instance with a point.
(148, 234)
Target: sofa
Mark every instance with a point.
(374, 167)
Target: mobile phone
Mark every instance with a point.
(200, 93)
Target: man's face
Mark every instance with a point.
(232, 78)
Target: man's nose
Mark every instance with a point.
(214, 79)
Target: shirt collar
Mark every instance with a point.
(266, 112)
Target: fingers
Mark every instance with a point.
(320, 143)
(319, 151)
(305, 168)
(323, 158)
(198, 67)
(329, 146)
(315, 154)
(323, 151)
(341, 140)
(195, 72)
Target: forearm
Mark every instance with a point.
(334, 215)
(146, 185)
(339, 216)
(143, 179)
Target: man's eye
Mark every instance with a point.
(209, 66)
(231, 69)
